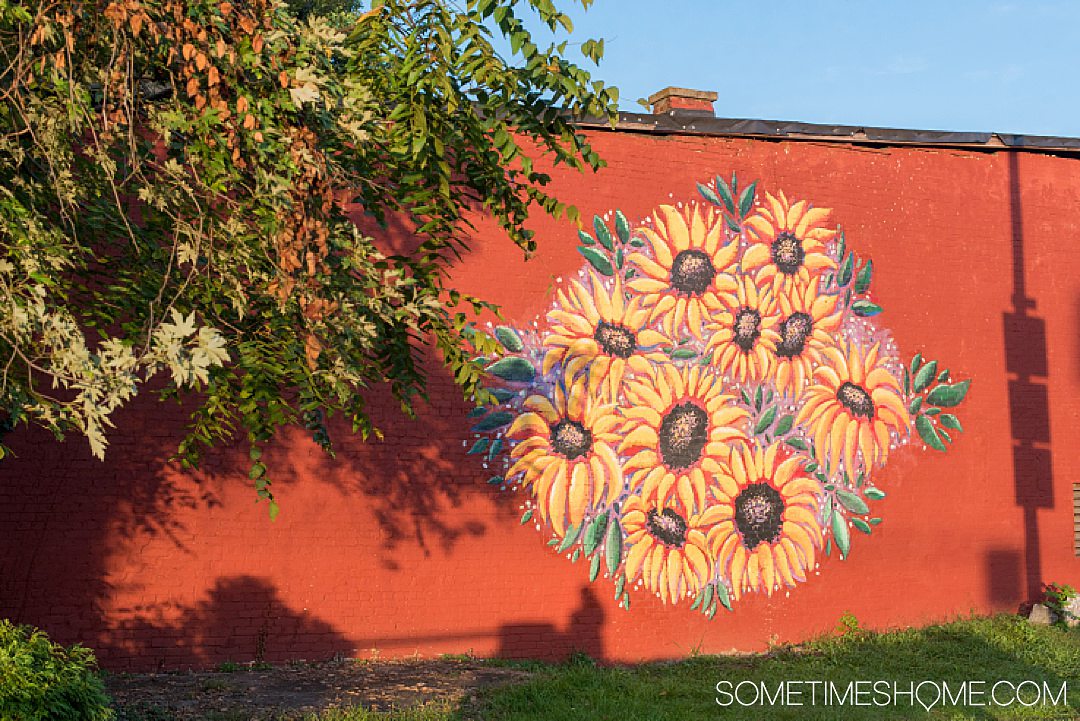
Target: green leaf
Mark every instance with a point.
(915, 405)
(603, 234)
(765, 420)
(843, 277)
(862, 280)
(924, 376)
(497, 419)
(597, 260)
(722, 595)
(841, 534)
(758, 398)
(852, 502)
(622, 227)
(495, 480)
(797, 443)
(948, 396)
(479, 447)
(916, 363)
(577, 554)
(594, 533)
(708, 194)
(502, 395)
(861, 525)
(724, 192)
(513, 369)
(496, 446)
(684, 354)
(477, 412)
(526, 516)
(274, 510)
(509, 338)
(706, 596)
(746, 200)
(929, 434)
(619, 584)
(865, 309)
(784, 424)
(571, 536)
(586, 238)
(613, 546)
(732, 224)
(874, 493)
(841, 245)
(950, 421)
(594, 568)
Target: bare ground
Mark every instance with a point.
(291, 691)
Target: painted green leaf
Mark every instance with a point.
(843, 277)
(502, 395)
(944, 434)
(841, 245)
(706, 597)
(509, 338)
(597, 260)
(928, 433)
(784, 424)
(865, 309)
(950, 421)
(513, 369)
(526, 516)
(861, 525)
(862, 280)
(757, 398)
(497, 419)
(875, 521)
(684, 354)
(712, 609)
(852, 502)
(496, 446)
(479, 447)
(745, 397)
(915, 405)
(732, 225)
(594, 533)
(495, 480)
(746, 200)
(477, 412)
(603, 234)
(613, 546)
(841, 534)
(570, 538)
(622, 227)
(874, 493)
(576, 555)
(619, 583)
(907, 382)
(586, 238)
(916, 363)
(797, 443)
(766, 420)
(594, 568)
(722, 595)
(924, 377)
(724, 192)
(949, 395)
(943, 376)
(708, 194)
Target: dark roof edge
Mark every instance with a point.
(688, 123)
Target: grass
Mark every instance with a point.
(1003, 648)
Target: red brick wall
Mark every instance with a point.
(400, 546)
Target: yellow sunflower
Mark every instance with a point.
(680, 429)
(853, 407)
(770, 527)
(592, 328)
(790, 242)
(667, 546)
(744, 338)
(689, 269)
(566, 451)
(809, 322)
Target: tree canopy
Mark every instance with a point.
(174, 176)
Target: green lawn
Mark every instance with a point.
(1004, 648)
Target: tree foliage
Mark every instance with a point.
(174, 176)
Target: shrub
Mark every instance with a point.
(44, 681)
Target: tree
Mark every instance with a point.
(174, 176)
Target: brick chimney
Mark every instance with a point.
(683, 101)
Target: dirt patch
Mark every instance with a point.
(290, 692)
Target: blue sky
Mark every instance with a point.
(1003, 66)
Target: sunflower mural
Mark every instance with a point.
(706, 409)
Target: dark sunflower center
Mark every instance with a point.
(856, 400)
(571, 439)
(684, 431)
(788, 253)
(794, 330)
(759, 513)
(668, 527)
(616, 340)
(747, 328)
(692, 272)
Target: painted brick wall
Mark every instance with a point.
(400, 547)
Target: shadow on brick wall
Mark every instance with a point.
(242, 619)
(543, 641)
